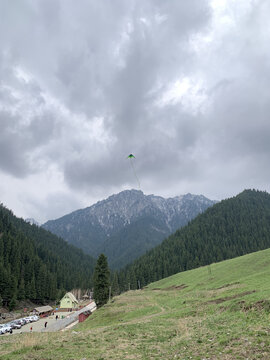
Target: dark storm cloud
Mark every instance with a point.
(82, 86)
(98, 59)
(11, 157)
(19, 141)
(155, 51)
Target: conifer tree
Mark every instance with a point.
(115, 285)
(12, 304)
(101, 281)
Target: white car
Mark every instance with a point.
(34, 317)
(21, 321)
(5, 328)
(27, 319)
(15, 325)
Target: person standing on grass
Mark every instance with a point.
(45, 324)
(31, 328)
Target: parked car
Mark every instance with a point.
(34, 317)
(27, 320)
(15, 325)
(2, 330)
(21, 321)
(5, 328)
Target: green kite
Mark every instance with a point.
(131, 157)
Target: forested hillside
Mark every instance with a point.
(231, 228)
(37, 265)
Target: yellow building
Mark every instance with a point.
(68, 301)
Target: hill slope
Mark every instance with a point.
(222, 315)
(37, 265)
(231, 228)
(126, 225)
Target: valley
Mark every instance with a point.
(134, 180)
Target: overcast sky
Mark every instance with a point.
(183, 85)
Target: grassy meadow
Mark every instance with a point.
(220, 311)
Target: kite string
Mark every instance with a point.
(135, 174)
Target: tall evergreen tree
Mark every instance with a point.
(101, 281)
(115, 285)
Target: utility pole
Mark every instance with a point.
(139, 284)
(110, 292)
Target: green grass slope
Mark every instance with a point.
(216, 312)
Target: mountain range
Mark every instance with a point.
(128, 224)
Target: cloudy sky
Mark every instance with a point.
(183, 85)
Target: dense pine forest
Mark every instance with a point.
(231, 228)
(37, 265)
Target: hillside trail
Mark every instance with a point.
(149, 301)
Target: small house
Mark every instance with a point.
(68, 302)
(43, 311)
(85, 297)
(84, 315)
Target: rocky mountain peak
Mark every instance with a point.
(130, 217)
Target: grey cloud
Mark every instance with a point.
(42, 210)
(115, 61)
(74, 59)
(20, 141)
(11, 157)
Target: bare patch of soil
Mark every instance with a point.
(221, 300)
(173, 287)
(176, 287)
(259, 305)
(228, 285)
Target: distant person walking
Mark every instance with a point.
(46, 323)
(56, 318)
(31, 329)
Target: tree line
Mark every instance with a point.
(37, 265)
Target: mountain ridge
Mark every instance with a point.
(127, 218)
